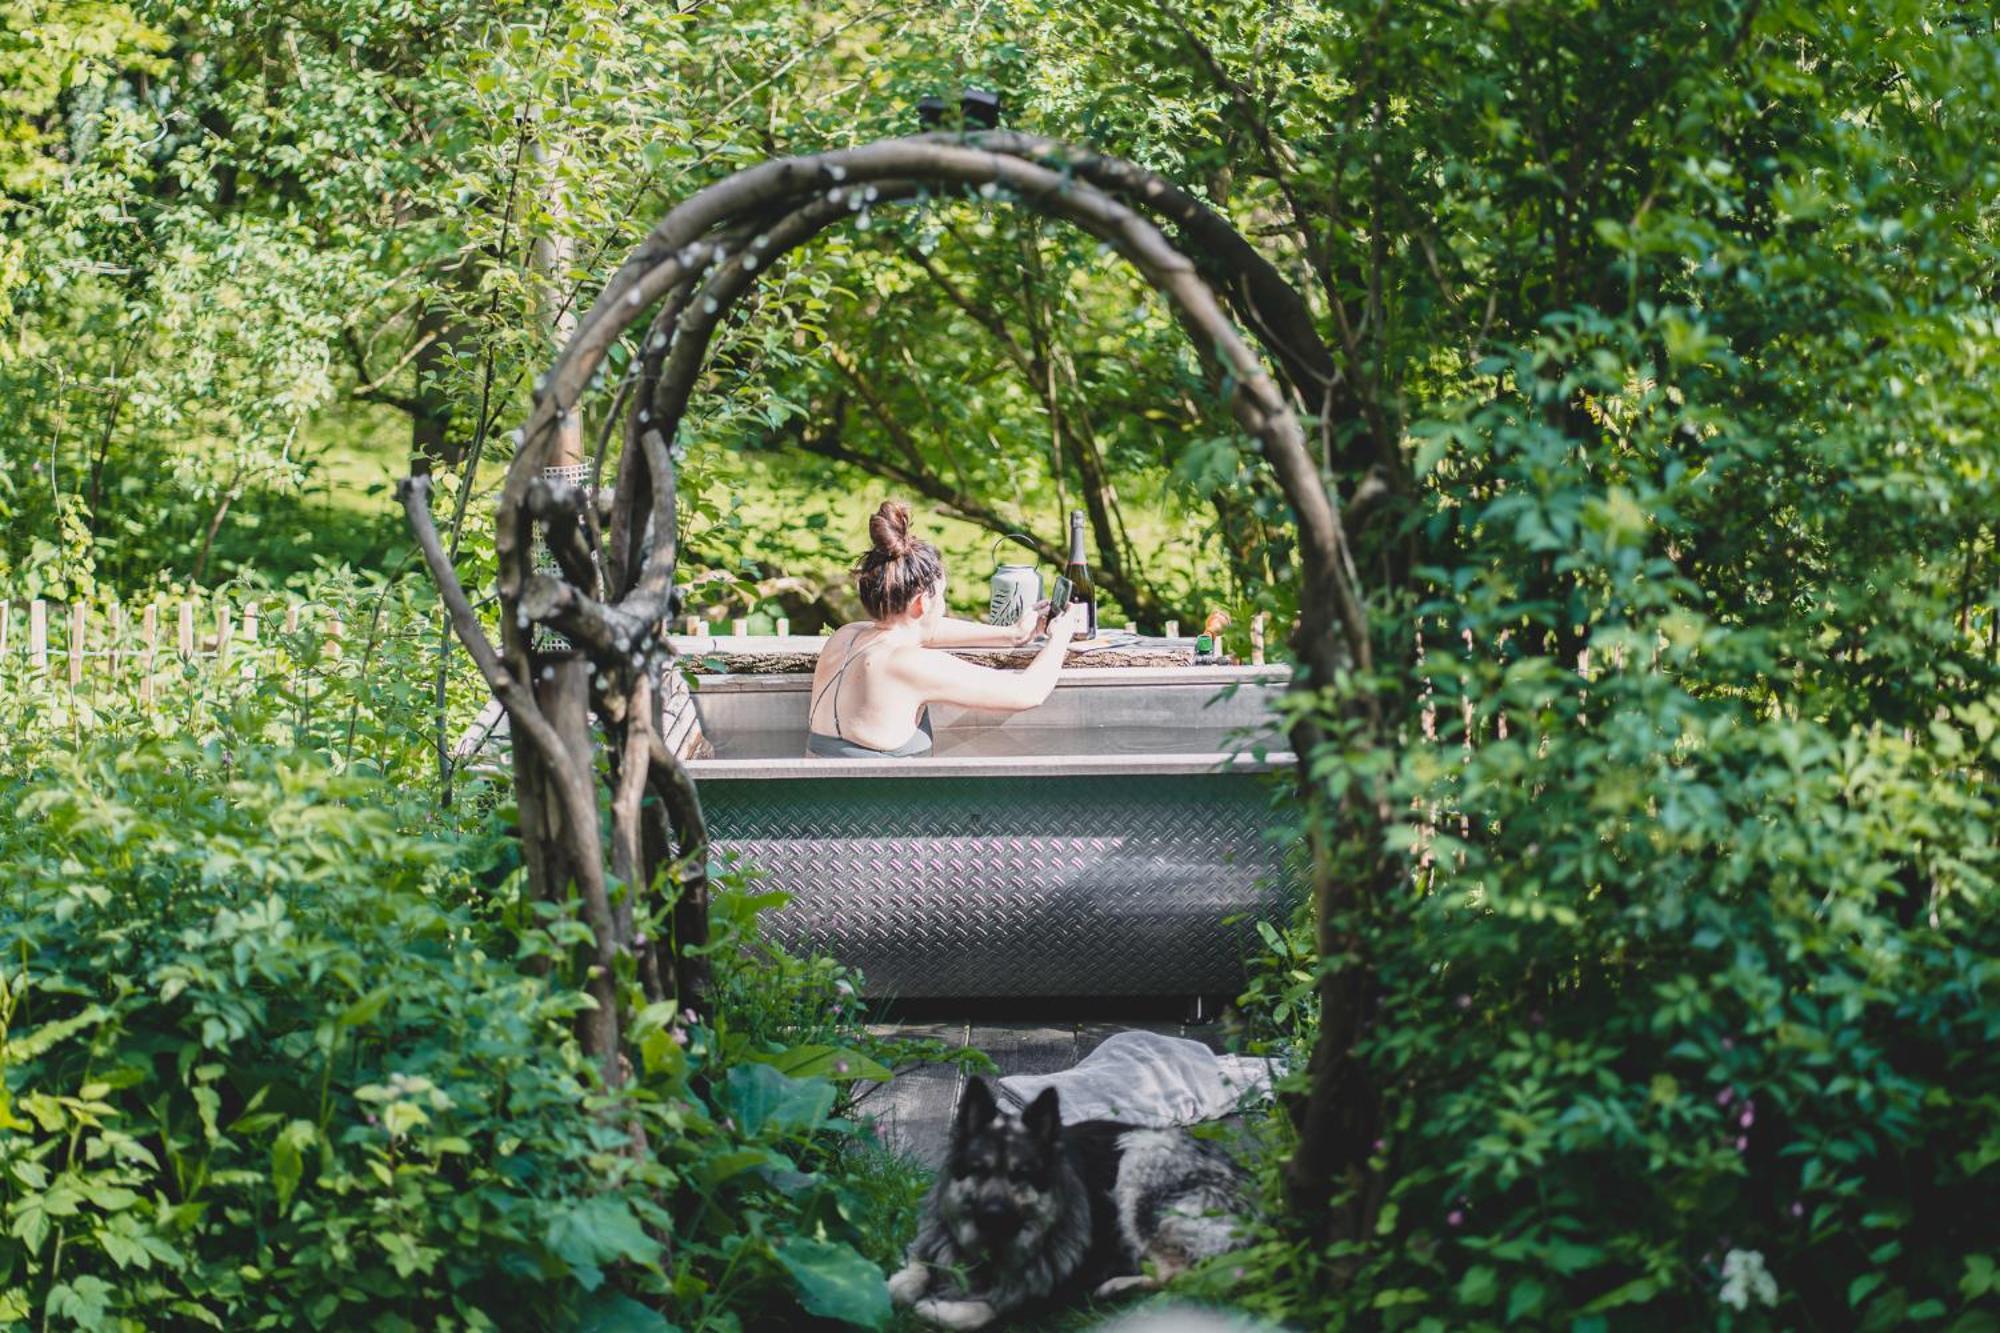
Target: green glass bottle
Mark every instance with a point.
(1078, 573)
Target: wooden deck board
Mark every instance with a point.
(1027, 1048)
(914, 1110)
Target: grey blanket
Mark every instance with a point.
(1144, 1078)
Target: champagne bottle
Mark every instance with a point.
(1078, 573)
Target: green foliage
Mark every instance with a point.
(267, 1073)
(265, 231)
(363, 700)
(54, 49)
(1684, 1006)
(1683, 317)
(271, 1059)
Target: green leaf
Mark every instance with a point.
(85, 1300)
(31, 1224)
(660, 1053)
(1636, 1292)
(1525, 1299)
(836, 1281)
(1857, 1290)
(364, 1009)
(1479, 1286)
(39, 1040)
(1391, 1297)
(718, 1168)
(1568, 1256)
(110, 1198)
(1271, 939)
(761, 1099)
(122, 1250)
(834, 1062)
(599, 1231)
(287, 1159)
(611, 1312)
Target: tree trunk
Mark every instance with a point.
(564, 697)
(431, 445)
(214, 527)
(1339, 1117)
(555, 252)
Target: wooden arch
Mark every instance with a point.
(614, 595)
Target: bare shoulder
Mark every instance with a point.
(831, 651)
(841, 638)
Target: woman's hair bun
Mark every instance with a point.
(889, 526)
(898, 566)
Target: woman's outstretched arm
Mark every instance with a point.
(944, 679)
(953, 633)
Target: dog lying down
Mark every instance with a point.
(1027, 1212)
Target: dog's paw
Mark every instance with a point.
(955, 1314)
(1118, 1286)
(906, 1286)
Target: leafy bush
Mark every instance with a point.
(1685, 1014)
(1685, 1011)
(1679, 996)
(1715, 1006)
(270, 1061)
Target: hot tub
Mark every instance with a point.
(1111, 842)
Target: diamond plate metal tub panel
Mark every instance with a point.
(1012, 886)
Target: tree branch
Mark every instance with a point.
(370, 389)
(674, 788)
(560, 508)
(826, 443)
(414, 492)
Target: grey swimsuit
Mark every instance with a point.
(837, 746)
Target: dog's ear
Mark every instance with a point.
(977, 1108)
(1044, 1116)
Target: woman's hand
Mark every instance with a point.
(1070, 623)
(1031, 625)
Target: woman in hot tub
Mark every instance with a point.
(876, 678)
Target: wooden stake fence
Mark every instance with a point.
(119, 642)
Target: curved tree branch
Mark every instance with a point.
(697, 263)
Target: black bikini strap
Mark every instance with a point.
(833, 684)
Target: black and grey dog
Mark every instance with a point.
(1027, 1213)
